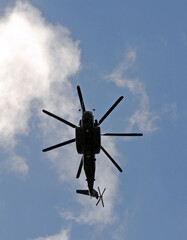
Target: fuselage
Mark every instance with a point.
(89, 156)
(88, 144)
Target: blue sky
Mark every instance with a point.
(109, 48)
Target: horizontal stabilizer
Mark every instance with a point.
(86, 192)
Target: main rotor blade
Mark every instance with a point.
(59, 145)
(80, 168)
(122, 134)
(110, 110)
(81, 99)
(112, 160)
(59, 118)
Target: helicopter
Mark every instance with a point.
(88, 143)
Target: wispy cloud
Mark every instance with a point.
(143, 118)
(171, 110)
(121, 231)
(63, 235)
(17, 165)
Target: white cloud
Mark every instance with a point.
(63, 235)
(143, 118)
(35, 62)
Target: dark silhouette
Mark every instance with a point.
(88, 143)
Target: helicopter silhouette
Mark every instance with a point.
(88, 143)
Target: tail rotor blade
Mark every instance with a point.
(123, 134)
(81, 99)
(112, 160)
(59, 118)
(59, 145)
(102, 202)
(80, 168)
(98, 201)
(100, 197)
(110, 110)
(99, 192)
(103, 191)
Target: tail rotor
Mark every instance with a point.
(100, 197)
